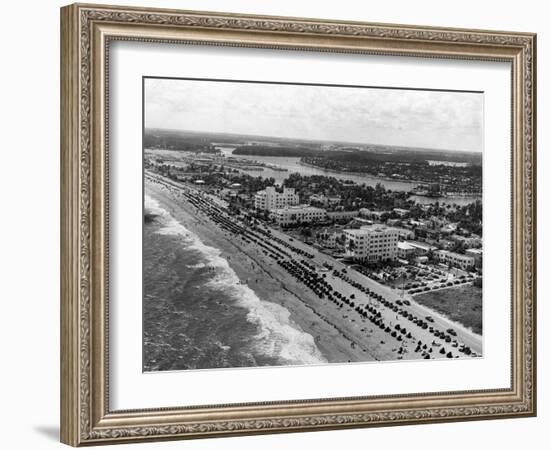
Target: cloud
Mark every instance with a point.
(447, 120)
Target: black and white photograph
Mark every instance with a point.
(293, 224)
(243, 225)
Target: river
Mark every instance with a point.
(293, 165)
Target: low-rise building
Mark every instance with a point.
(325, 200)
(472, 241)
(393, 222)
(330, 238)
(371, 243)
(418, 223)
(405, 250)
(401, 212)
(370, 214)
(455, 259)
(477, 254)
(448, 228)
(341, 215)
(405, 233)
(445, 244)
(358, 222)
(421, 248)
(427, 235)
(292, 215)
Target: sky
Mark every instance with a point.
(410, 118)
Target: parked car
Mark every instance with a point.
(429, 319)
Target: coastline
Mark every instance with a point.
(269, 284)
(359, 174)
(413, 183)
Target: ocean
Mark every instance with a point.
(198, 315)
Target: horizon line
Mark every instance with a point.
(315, 140)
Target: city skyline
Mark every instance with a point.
(439, 120)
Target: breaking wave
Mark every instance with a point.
(277, 337)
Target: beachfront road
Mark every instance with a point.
(413, 332)
(464, 335)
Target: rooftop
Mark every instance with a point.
(368, 229)
(421, 245)
(300, 208)
(475, 251)
(405, 246)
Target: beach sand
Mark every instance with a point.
(329, 325)
(340, 333)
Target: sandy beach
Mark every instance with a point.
(270, 283)
(339, 332)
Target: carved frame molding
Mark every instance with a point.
(86, 32)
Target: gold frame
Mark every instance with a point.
(86, 31)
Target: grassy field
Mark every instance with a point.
(462, 304)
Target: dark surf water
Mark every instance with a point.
(198, 315)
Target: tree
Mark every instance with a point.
(459, 247)
(430, 255)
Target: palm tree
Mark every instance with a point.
(351, 245)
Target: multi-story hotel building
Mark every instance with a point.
(298, 214)
(372, 243)
(269, 199)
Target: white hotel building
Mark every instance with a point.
(372, 243)
(269, 199)
(298, 214)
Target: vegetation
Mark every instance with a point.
(353, 196)
(408, 166)
(270, 150)
(176, 140)
(469, 217)
(461, 304)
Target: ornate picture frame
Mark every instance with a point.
(86, 33)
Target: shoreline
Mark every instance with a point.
(339, 333)
(260, 276)
(382, 179)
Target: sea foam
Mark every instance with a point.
(277, 337)
(170, 226)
